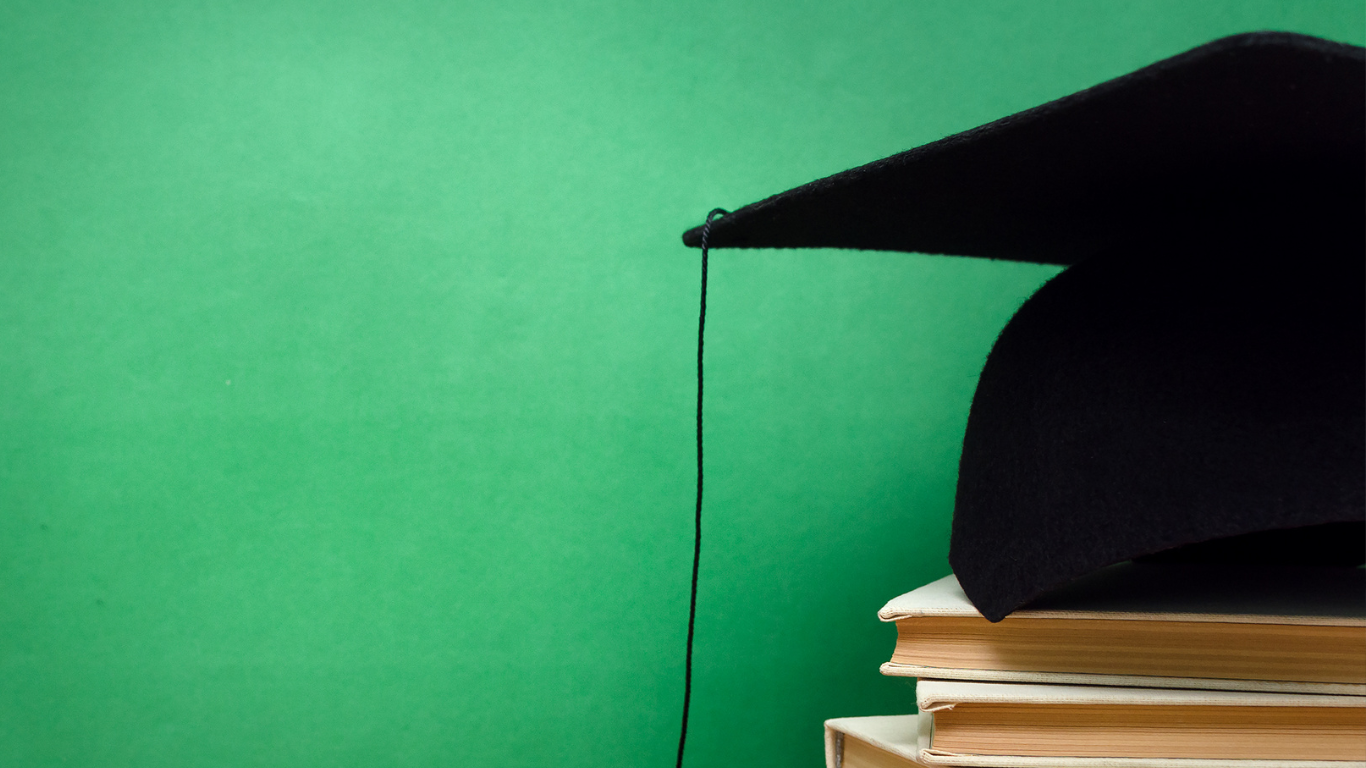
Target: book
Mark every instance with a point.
(1289, 630)
(1019, 724)
(873, 742)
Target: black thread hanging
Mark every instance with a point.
(697, 531)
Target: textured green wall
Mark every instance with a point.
(346, 407)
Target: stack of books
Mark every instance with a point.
(1136, 665)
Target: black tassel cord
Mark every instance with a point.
(697, 530)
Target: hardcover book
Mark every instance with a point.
(1167, 626)
(996, 724)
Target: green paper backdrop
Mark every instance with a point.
(347, 398)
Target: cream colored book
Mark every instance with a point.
(1289, 630)
(1009, 725)
(873, 742)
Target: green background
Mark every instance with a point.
(347, 398)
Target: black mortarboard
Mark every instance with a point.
(1192, 386)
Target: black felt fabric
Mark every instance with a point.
(1066, 179)
(1192, 387)
(1167, 395)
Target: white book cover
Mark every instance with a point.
(896, 734)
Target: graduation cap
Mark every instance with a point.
(1191, 387)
